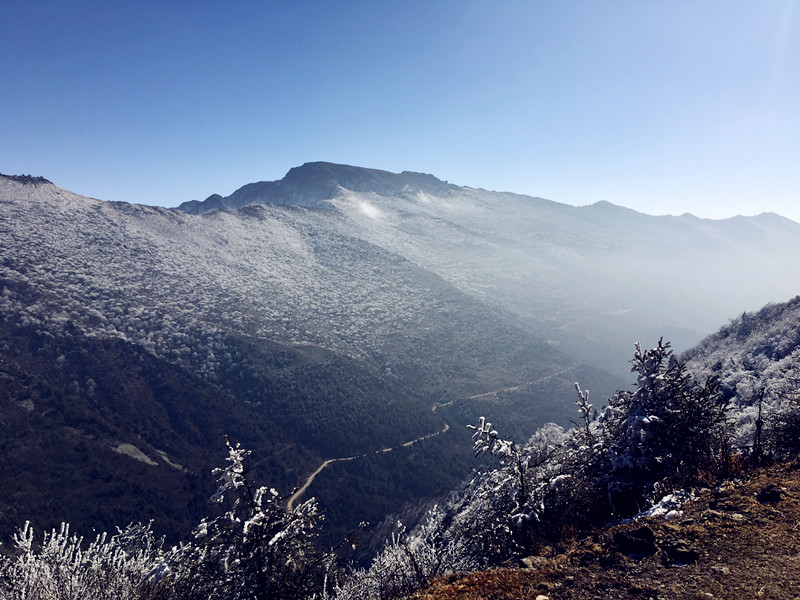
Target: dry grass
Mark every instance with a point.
(747, 549)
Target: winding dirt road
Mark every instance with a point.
(493, 395)
(294, 497)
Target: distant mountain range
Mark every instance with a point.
(336, 312)
(590, 279)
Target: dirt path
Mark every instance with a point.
(300, 491)
(493, 395)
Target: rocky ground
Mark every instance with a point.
(738, 540)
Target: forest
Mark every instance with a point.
(690, 422)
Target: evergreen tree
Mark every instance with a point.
(665, 431)
(257, 549)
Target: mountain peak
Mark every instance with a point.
(608, 207)
(315, 182)
(25, 179)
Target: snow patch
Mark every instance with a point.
(166, 459)
(667, 506)
(133, 452)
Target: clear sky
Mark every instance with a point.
(664, 107)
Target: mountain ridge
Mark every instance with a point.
(298, 187)
(314, 182)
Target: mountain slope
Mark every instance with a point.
(592, 279)
(335, 313)
(589, 277)
(327, 345)
(756, 358)
(739, 547)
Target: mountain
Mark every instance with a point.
(316, 182)
(591, 279)
(140, 336)
(336, 313)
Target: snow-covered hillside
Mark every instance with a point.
(332, 314)
(335, 346)
(756, 358)
(593, 279)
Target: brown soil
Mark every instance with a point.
(744, 548)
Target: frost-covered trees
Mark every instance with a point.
(60, 566)
(408, 561)
(783, 426)
(667, 429)
(756, 358)
(256, 549)
(508, 502)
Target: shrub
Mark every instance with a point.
(62, 567)
(256, 549)
(665, 431)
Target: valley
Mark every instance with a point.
(325, 322)
(302, 490)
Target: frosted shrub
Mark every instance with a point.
(503, 510)
(256, 549)
(784, 427)
(62, 567)
(668, 429)
(408, 561)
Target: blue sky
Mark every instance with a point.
(664, 107)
